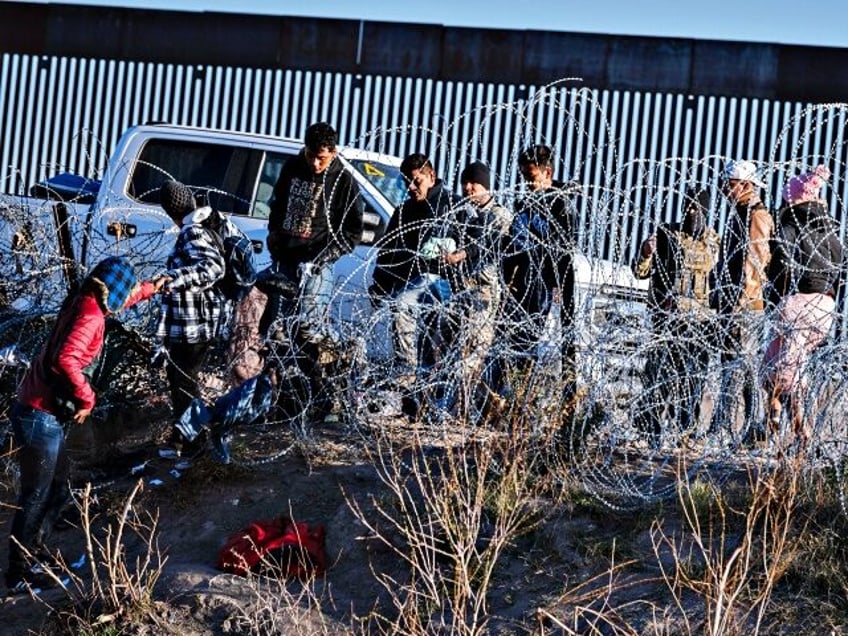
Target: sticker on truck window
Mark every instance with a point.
(372, 171)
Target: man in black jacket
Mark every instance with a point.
(404, 271)
(316, 217)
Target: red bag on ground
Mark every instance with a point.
(294, 549)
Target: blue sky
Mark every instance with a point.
(820, 22)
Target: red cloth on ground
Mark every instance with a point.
(296, 548)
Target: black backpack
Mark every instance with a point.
(239, 260)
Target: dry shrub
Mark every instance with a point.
(729, 560)
(457, 499)
(113, 590)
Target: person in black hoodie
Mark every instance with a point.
(805, 273)
(316, 217)
(404, 271)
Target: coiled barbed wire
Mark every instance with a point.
(588, 425)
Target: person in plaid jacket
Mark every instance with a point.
(193, 308)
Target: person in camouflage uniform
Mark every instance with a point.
(462, 333)
(678, 258)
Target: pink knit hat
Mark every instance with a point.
(806, 187)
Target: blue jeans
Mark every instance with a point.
(44, 489)
(310, 308)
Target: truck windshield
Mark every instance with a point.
(386, 178)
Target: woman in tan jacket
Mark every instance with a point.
(738, 296)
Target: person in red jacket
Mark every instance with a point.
(56, 392)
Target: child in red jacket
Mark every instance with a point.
(54, 392)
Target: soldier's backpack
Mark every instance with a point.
(696, 259)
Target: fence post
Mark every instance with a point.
(70, 267)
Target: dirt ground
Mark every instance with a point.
(578, 554)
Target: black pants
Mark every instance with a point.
(183, 370)
(676, 369)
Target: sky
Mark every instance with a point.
(819, 22)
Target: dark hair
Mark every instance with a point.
(415, 161)
(696, 199)
(536, 155)
(320, 135)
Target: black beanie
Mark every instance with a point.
(477, 172)
(176, 199)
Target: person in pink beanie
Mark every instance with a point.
(805, 187)
(804, 273)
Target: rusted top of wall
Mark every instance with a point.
(677, 65)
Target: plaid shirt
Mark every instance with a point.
(193, 308)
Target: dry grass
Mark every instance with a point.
(115, 587)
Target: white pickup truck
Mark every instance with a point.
(74, 222)
(120, 214)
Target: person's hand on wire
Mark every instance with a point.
(453, 258)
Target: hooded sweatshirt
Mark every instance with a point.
(314, 217)
(400, 259)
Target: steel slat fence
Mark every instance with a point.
(630, 149)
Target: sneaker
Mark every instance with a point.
(178, 446)
(173, 446)
(32, 581)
